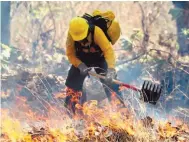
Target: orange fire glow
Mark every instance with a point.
(22, 124)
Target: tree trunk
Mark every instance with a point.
(5, 22)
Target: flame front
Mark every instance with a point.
(107, 122)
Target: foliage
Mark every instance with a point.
(5, 55)
(185, 32)
(137, 35)
(126, 44)
(8, 55)
(39, 12)
(176, 13)
(177, 46)
(6, 50)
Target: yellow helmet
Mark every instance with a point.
(78, 28)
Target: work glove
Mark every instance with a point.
(111, 74)
(83, 69)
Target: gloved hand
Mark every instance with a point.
(111, 74)
(83, 69)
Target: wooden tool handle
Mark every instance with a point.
(115, 81)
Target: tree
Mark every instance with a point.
(181, 14)
(5, 22)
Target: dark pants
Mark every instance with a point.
(75, 81)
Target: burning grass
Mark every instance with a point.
(98, 123)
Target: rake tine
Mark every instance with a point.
(159, 91)
(147, 85)
(154, 88)
(143, 84)
(157, 88)
(151, 86)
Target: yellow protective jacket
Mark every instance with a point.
(101, 40)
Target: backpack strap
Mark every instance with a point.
(89, 19)
(101, 22)
(92, 29)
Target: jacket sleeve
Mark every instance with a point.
(106, 47)
(70, 52)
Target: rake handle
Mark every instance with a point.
(116, 82)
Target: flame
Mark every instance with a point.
(167, 131)
(91, 129)
(59, 95)
(5, 94)
(23, 124)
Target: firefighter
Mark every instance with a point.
(88, 47)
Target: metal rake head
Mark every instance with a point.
(151, 92)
